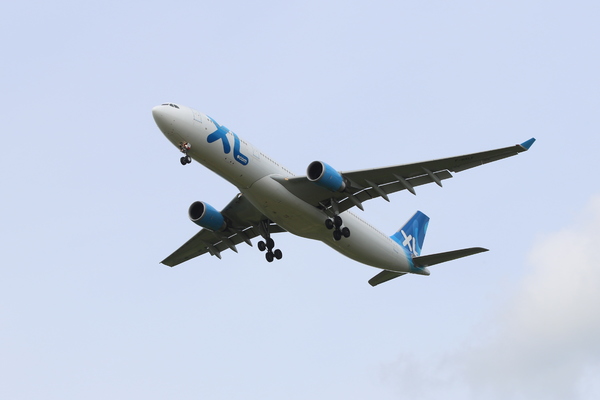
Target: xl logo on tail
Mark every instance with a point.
(409, 242)
(412, 235)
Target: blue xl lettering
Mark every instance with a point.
(221, 134)
(242, 159)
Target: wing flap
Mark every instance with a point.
(344, 203)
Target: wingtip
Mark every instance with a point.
(527, 144)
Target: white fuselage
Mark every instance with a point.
(255, 175)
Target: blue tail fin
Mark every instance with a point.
(412, 235)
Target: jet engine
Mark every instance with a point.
(324, 175)
(206, 216)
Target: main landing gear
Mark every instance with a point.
(336, 225)
(184, 147)
(270, 254)
(268, 244)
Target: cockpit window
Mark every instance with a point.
(171, 105)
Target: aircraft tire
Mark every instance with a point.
(329, 224)
(262, 246)
(337, 221)
(188, 160)
(269, 256)
(346, 232)
(183, 160)
(278, 254)
(270, 244)
(337, 235)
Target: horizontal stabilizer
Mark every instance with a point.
(384, 276)
(433, 259)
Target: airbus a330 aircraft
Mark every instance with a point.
(315, 206)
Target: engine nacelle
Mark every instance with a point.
(324, 175)
(206, 216)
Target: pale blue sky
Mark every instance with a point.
(94, 197)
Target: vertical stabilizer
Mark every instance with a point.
(412, 235)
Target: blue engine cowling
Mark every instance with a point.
(206, 216)
(324, 175)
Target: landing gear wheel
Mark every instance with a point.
(262, 246)
(346, 232)
(337, 235)
(329, 224)
(183, 160)
(269, 256)
(188, 159)
(337, 221)
(278, 254)
(270, 244)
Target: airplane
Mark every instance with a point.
(316, 205)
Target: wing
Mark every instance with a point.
(368, 184)
(243, 223)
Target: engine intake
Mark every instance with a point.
(206, 216)
(324, 175)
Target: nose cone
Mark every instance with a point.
(162, 118)
(174, 121)
(156, 112)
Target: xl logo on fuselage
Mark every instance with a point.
(221, 134)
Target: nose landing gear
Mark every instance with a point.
(184, 147)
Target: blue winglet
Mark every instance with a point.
(526, 145)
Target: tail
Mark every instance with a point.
(411, 237)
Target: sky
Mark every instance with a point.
(93, 197)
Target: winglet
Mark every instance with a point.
(526, 145)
